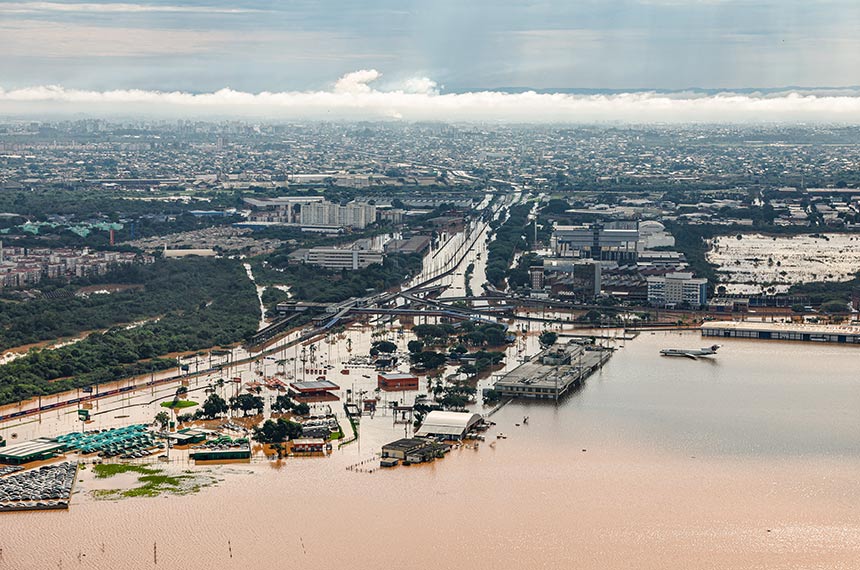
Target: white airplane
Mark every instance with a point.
(693, 353)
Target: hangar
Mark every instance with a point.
(448, 425)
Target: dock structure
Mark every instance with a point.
(839, 334)
(553, 372)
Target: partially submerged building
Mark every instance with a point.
(396, 381)
(414, 450)
(314, 391)
(448, 425)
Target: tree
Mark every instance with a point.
(415, 346)
(468, 369)
(283, 403)
(834, 307)
(495, 336)
(301, 409)
(246, 403)
(547, 338)
(277, 431)
(429, 359)
(454, 401)
(214, 406)
(162, 419)
(491, 396)
(593, 316)
(385, 346)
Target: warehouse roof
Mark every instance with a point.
(27, 449)
(448, 423)
(314, 385)
(787, 327)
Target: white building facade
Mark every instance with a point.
(678, 288)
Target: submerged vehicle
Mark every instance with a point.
(693, 353)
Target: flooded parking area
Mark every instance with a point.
(758, 263)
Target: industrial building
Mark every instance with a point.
(616, 241)
(448, 425)
(28, 451)
(313, 391)
(414, 450)
(309, 445)
(552, 373)
(783, 331)
(415, 244)
(230, 453)
(396, 381)
(675, 289)
(358, 255)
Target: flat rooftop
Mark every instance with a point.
(783, 327)
(27, 449)
(397, 376)
(536, 374)
(406, 444)
(314, 386)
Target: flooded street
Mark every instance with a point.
(746, 461)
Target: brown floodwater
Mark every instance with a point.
(746, 461)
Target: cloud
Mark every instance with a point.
(114, 8)
(26, 38)
(357, 81)
(354, 97)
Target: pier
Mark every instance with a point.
(553, 372)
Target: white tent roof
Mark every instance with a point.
(448, 423)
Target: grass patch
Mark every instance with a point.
(152, 482)
(178, 405)
(154, 485)
(105, 470)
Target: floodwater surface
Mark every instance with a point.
(748, 460)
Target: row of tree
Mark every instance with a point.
(220, 309)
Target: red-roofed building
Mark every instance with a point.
(397, 381)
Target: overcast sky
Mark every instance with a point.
(460, 45)
(255, 45)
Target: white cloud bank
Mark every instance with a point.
(354, 97)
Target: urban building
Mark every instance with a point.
(783, 331)
(396, 381)
(23, 267)
(573, 279)
(353, 215)
(614, 241)
(413, 450)
(357, 255)
(280, 210)
(448, 425)
(314, 391)
(415, 244)
(675, 289)
(536, 277)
